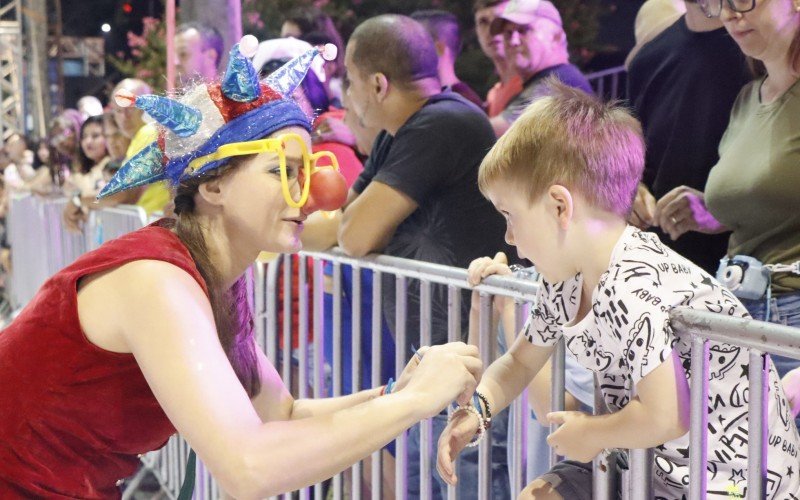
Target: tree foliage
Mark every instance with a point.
(581, 23)
(148, 55)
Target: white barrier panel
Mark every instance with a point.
(41, 245)
(110, 223)
(27, 235)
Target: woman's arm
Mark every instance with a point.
(171, 333)
(275, 403)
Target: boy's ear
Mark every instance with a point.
(562, 204)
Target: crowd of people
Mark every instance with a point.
(682, 199)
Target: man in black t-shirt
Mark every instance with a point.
(682, 86)
(418, 196)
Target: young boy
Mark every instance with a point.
(564, 176)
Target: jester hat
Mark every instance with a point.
(238, 108)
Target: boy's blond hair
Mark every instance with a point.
(572, 139)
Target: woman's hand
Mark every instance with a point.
(445, 373)
(455, 437)
(684, 209)
(483, 267)
(411, 366)
(570, 439)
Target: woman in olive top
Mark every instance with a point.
(754, 190)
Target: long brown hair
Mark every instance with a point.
(232, 314)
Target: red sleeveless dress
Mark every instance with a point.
(74, 417)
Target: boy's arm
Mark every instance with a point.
(659, 413)
(507, 377)
(503, 381)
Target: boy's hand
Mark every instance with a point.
(454, 438)
(791, 385)
(485, 266)
(570, 440)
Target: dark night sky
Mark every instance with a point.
(85, 17)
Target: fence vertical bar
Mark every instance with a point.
(698, 419)
(337, 349)
(485, 347)
(426, 426)
(377, 340)
(604, 470)
(453, 335)
(319, 347)
(287, 319)
(355, 376)
(302, 321)
(557, 389)
(641, 479)
(757, 430)
(401, 463)
(270, 286)
(519, 445)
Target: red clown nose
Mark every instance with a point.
(328, 191)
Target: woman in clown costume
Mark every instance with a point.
(151, 334)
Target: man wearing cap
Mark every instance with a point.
(536, 46)
(509, 84)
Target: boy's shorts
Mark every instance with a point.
(572, 480)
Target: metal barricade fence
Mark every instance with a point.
(609, 84)
(759, 338)
(635, 484)
(41, 245)
(27, 235)
(310, 367)
(110, 223)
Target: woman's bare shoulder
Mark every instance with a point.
(131, 296)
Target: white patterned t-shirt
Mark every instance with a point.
(627, 334)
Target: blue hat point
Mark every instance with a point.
(191, 136)
(240, 82)
(144, 167)
(181, 119)
(288, 77)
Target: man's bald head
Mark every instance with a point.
(129, 120)
(397, 46)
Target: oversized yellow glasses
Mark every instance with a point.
(277, 145)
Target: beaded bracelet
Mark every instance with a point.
(481, 426)
(487, 417)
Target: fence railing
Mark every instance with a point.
(40, 246)
(609, 84)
